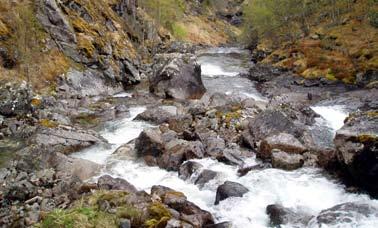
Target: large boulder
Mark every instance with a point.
(229, 189)
(346, 215)
(357, 149)
(283, 141)
(271, 122)
(177, 76)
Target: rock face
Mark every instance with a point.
(177, 76)
(229, 189)
(357, 149)
(345, 215)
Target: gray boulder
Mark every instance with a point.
(15, 99)
(149, 145)
(205, 176)
(229, 189)
(284, 142)
(345, 215)
(177, 76)
(282, 160)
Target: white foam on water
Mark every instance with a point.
(334, 115)
(117, 133)
(212, 70)
(123, 95)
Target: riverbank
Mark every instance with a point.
(271, 136)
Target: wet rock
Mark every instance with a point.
(286, 161)
(357, 149)
(231, 157)
(187, 169)
(205, 176)
(229, 189)
(157, 115)
(177, 76)
(245, 170)
(346, 215)
(107, 182)
(149, 145)
(280, 215)
(66, 139)
(283, 141)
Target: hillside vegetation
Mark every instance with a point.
(336, 39)
(102, 35)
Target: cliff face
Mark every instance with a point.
(42, 39)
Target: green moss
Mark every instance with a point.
(364, 138)
(87, 120)
(159, 214)
(331, 76)
(48, 123)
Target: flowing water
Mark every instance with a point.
(306, 189)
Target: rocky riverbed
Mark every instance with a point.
(208, 139)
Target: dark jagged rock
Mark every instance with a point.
(220, 225)
(357, 149)
(229, 189)
(177, 76)
(149, 144)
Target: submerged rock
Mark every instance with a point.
(177, 76)
(229, 189)
(205, 176)
(189, 168)
(346, 215)
(280, 215)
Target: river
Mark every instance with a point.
(307, 189)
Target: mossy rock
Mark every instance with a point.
(48, 123)
(159, 216)
(4, 31)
